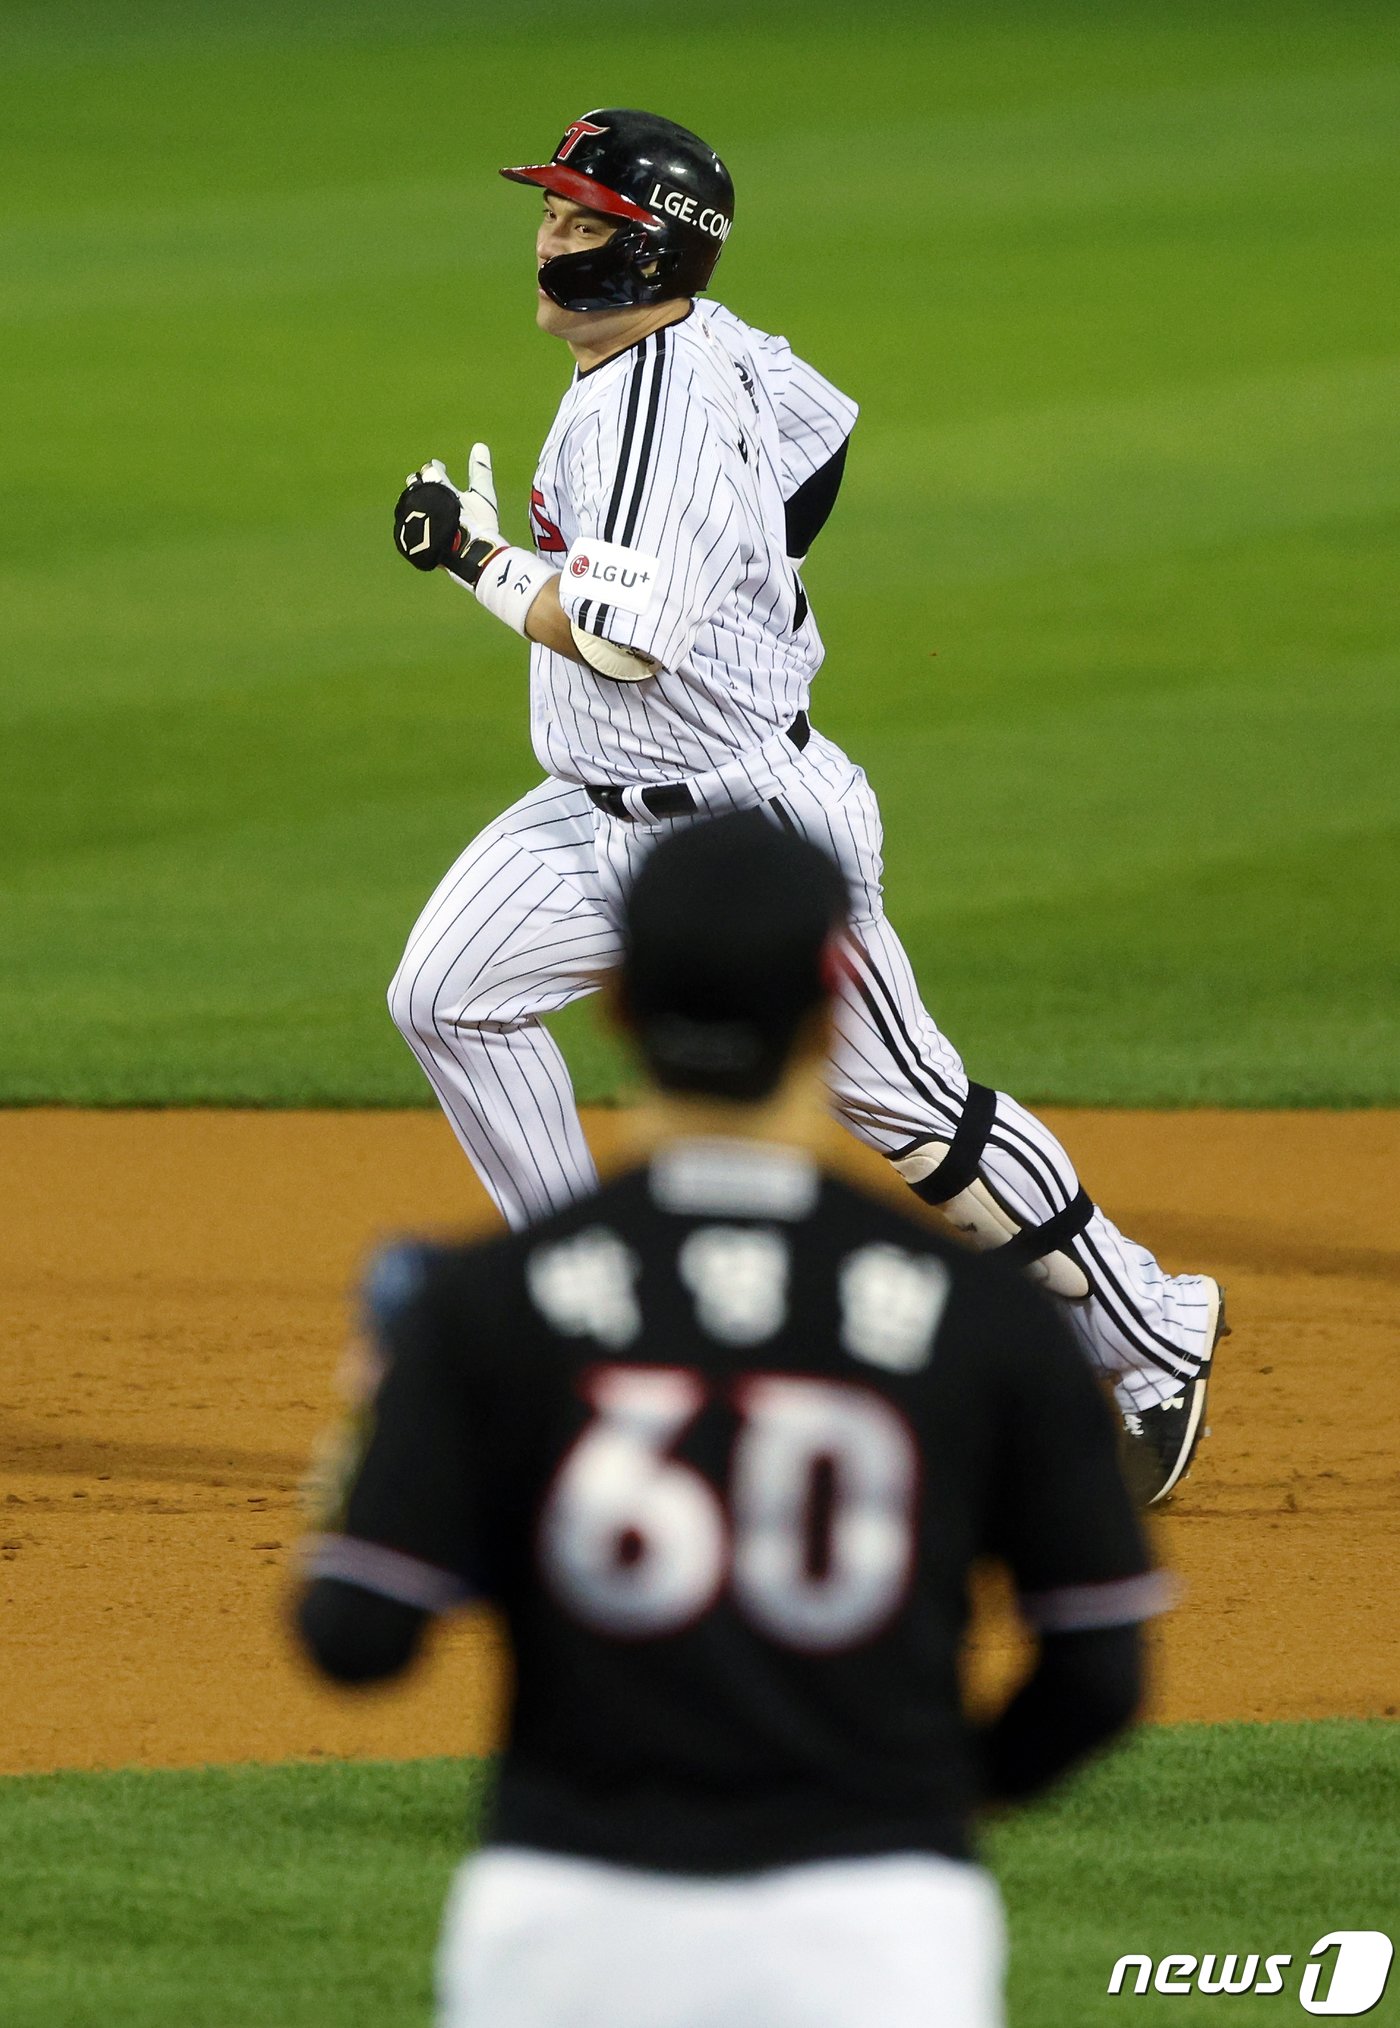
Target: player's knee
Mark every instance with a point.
(398, 1003)
(429, 998)
(413, 996)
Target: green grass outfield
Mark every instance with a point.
(1111, 601)
(308, 1896)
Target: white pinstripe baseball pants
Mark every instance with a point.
(528, 920)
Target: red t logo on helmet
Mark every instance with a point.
(574, 136)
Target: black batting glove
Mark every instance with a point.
(428, 523)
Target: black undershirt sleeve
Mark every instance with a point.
(403, 1539)
(1063, 1522)
(1086, 1687)
(1061, 1516)
(357, 1636)
(810, 506)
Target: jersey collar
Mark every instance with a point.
(743, 1179)
(583, 372)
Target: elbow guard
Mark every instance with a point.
(622, 665)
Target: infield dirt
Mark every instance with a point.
(175, 1293)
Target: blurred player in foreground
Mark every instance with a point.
(722, 1442)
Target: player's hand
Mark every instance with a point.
(436, 521)
(477, 500)
(480, 516)
(428, 520)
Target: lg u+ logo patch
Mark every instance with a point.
(1358, 1973)
(615, 575)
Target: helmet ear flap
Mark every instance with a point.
(613, 276)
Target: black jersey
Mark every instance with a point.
(722, 1442)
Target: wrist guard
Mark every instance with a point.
(506, 581)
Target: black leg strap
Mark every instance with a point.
(1035, 1241)
(959, 1166)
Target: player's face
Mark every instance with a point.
(567, 228)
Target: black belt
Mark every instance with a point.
(674, 799)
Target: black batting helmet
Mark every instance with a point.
(672, 194)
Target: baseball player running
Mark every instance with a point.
(691, 465)
(721, 1442)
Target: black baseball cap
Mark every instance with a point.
(729, 934)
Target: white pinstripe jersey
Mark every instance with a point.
(682, 450)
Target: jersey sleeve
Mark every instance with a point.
(661, 528)
(1061, 1515)
(404, 1520)
(814, 418)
